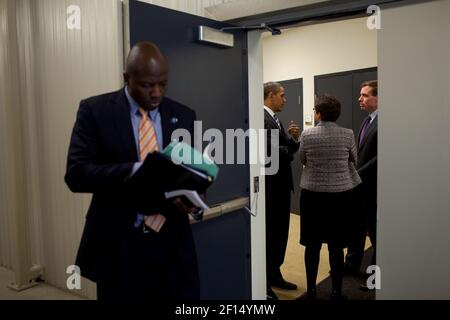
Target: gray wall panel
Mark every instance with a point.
(414, 152)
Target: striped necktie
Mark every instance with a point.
(277, 120)
(148, 144)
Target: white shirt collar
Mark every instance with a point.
(270, 111)
(373, 115)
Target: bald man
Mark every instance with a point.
(125, 254)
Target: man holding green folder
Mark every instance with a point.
(128, 258)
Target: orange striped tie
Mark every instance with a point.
(148, 144)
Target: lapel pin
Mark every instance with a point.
(173, 120)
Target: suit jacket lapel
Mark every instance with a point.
(168, 121)
(123, 125)
(271, 119)
(283, 134)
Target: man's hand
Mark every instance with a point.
(184, 206)
(294, 130)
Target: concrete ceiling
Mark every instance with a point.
(244, 8)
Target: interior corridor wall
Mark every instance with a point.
(304, 52)
(8, 159)
(196, 7)
(50, 69)
(414, 151)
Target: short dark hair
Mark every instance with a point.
(328, 106)
(269, 87)
(373, 84)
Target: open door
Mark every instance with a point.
(213, 81)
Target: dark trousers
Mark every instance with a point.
(365, 207)
(278, 207)
(150, 268)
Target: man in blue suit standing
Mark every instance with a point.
(131, 254)
(366, 192)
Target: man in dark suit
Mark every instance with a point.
(278, 187)
(126, 256)
(367, 144)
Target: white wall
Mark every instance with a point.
(72, 65)
(196, 7)
(8, 161)
(414, 152)
(46, 71)
(304, 52)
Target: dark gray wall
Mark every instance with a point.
(414, 152)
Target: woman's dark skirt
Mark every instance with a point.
(326, 217)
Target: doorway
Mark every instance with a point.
(327, 60)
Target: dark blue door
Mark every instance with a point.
(211, 80)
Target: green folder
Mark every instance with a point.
(182, 153)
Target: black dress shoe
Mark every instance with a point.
(283, 284)
(271, 295)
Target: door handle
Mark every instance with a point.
(223, 208)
